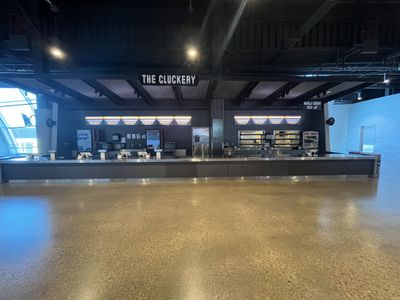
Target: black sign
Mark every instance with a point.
(312, 105)
(168, 79)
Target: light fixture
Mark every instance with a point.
(183, 120)
(129, 120)
(113, 121)
(147, 120)
(192, 53)
(94, 121)
(359, 97)
(57, 53)
(242, 120)
(293, 120)
(259, 120)
(165, 120)
(385, 79)
(276, 120)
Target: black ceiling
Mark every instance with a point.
(274, 52)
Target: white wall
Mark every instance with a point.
(338, 132)
(383, 113)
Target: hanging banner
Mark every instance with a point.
(169, 79)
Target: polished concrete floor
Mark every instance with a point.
(297, 238)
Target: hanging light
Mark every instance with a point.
(55, 49)
(190, 9)
(56, 52)
(192, 53)
(386, 79)
(359, 97)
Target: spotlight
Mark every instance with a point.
(359, 97)
(192, 53)
(56, 52)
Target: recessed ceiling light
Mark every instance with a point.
(57, 53)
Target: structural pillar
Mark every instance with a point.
(217, 127)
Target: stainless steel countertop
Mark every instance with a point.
(188, 160)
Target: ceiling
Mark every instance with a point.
(252, 53)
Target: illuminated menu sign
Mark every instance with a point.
(169, 79)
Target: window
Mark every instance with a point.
(17, 122)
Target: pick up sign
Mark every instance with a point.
(312, 105)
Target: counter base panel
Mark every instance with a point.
(178, 169)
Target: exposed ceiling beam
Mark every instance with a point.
(314, 92)
(324, 9)
(212, 86)
(346, 92)
(114, 98)
(227, 36)
(138, 87)
(178, 94)
(68, 91)
(32, 23)
(393, 55)
(245, 92)
(283, 90)
(36, 91)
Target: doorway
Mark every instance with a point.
(367, 138)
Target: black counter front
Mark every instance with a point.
(21, 169)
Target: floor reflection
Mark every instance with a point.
(281, 238)
(24, 229)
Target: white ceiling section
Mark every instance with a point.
(198, 92)
(33, 83)
(340, 88)
(302, 88)
(229, 90)
(160, 92)
(265, 88)
(120, 87)
(81, 87)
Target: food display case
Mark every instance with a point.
(310, 139)
(288, 139)
(251, 138)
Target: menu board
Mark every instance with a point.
(84, 138)
(153, 138)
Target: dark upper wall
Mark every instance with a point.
(231, 130)
(71, 120)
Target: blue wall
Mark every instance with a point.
(383, 113)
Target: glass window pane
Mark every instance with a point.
(18, 118)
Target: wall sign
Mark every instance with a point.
(169, 79)
(312, 105)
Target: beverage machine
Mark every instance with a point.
(201, 142)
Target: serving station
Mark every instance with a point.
(23, 169)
